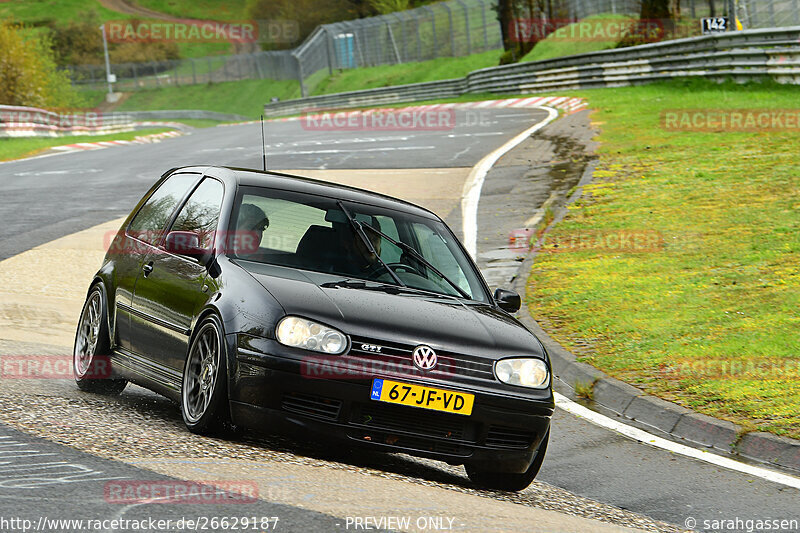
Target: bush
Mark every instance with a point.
(81, 43)
(28, 73)
(77, 42)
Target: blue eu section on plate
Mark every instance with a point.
(377, 385)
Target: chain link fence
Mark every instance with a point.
(155, 74)
(442, 29)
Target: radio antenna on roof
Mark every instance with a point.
(263, 144)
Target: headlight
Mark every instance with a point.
(531, 373)
(301, 333)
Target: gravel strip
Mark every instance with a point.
(139, 426)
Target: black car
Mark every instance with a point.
(275, 302)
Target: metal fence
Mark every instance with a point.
(155, 74)
(442, 29)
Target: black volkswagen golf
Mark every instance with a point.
(275, 302)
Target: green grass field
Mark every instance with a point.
(198, 9)
(383, 76)
(242, 97)
(34, 11)
(19, 147)
(706, 313)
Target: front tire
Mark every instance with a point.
(510, 482)
(91, 364)
(204, 399)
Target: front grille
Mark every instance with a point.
(413, 420)
(504, 437)
(414, 443)
(395, 358)
(316, 406)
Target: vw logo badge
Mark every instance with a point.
(424, 357)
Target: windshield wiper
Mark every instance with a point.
(416, 255)
(383, 287)
(359, 229)
(346, 283)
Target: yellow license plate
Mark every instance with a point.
(385, 390)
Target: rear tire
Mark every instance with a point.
(204, 390)
(510, 482)
(91, 363)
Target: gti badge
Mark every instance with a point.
(371, 348)
(424, 357)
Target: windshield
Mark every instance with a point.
(322, 234)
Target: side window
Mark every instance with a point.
(149, 222)
(201, 211)
(288, 221)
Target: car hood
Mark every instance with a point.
(441, 322)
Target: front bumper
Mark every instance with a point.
(502, 434)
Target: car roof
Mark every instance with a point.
(291, 182)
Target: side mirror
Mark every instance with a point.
(507, 300)
(184, 243)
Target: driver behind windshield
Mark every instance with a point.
(357, 259)
(250, 226)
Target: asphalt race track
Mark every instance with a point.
(47, 198)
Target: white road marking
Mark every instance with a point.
(484, 134)
(56, 172)
(26, 475)
(471, 193)
(646, 438)
(335, 151)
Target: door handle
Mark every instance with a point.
(146, 269)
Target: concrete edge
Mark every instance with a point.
(629, 402)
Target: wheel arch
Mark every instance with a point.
(230, 348)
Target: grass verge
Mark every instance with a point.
(387, 75)
(19, 147)
(705, 313)
(245, 98)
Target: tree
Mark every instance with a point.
(522, 24)
(384, 7)
(28, 73)
(308, 13)
(655, 9)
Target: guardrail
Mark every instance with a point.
(187, 114)
(19, 121)
(742, 56)
(368, 97)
